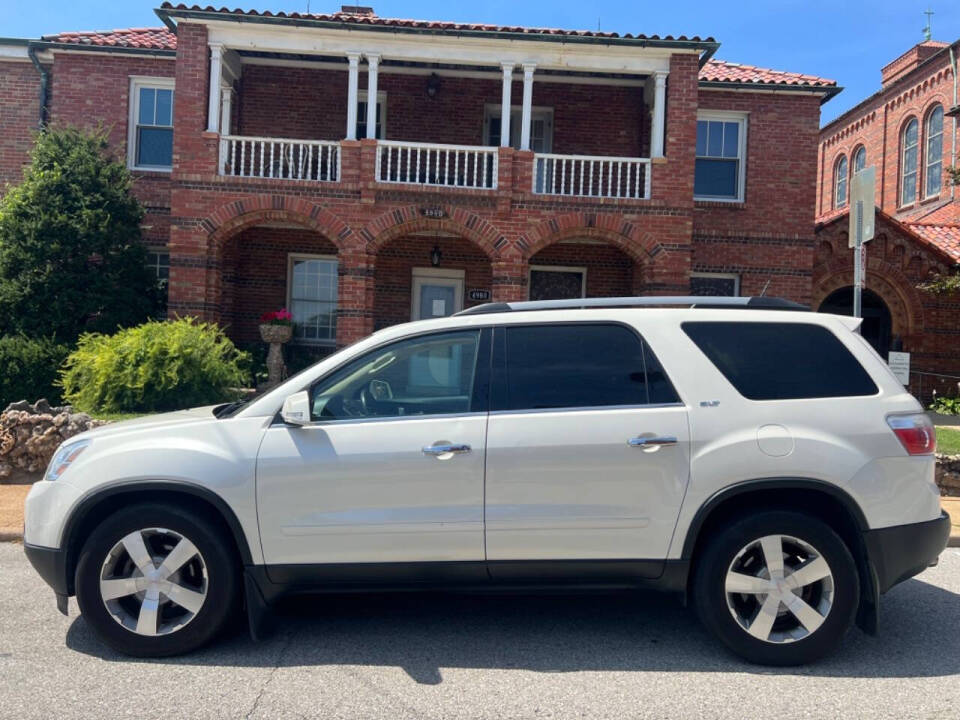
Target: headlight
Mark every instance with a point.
(66, 454)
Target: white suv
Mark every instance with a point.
(762, 462)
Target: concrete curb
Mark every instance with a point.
(11, 536)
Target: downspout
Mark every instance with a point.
(44, 80)
(953, 142)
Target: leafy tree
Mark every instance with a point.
(71, 258)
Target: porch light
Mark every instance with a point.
(433, 85)
(436, 256)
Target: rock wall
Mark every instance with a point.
(948, 474)
(29, 435)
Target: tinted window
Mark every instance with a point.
(781, 361)
(562, 366)
(427, 375)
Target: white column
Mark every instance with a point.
(505, 104)
(659, 112)
(216, 72)
(226, 103)
(352, 82)
(527, 113)
(373, 66)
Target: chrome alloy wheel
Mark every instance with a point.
(779, 589)
(154, 581)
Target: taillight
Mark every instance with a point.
(915, 433)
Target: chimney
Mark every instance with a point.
(909, 61)
(357, 10)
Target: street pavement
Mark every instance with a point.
(448, 656)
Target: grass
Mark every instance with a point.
(948, 441)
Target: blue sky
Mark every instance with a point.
(845, 41)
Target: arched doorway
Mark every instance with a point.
(877, 322)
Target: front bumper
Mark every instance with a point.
(51, 565)
(900, 552)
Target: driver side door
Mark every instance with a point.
(389, 470)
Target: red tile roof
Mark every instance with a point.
(945, 237)
(723, 71)
(371, 19)
(143, 38)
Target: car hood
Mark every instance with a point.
(148, 422)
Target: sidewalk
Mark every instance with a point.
(12, 496)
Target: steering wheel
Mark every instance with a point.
(366, 401)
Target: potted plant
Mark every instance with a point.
(276, 326)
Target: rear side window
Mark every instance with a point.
(781, 361)
(577, 365)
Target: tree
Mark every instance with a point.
(71, 256)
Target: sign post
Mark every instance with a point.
(862, 210)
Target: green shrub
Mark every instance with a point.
(28, 369)
(946, 405)
(155, 366)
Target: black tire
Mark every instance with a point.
(223, 599)
(710, 597)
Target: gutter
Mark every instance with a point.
(953, 142)
(828, 91)
(44, 82)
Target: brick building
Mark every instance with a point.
(907, 131)
(628, 164)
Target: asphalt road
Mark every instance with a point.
(440, 656)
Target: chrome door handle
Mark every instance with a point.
(451, 449)
(651, 441)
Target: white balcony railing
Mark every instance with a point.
(591, 176)
(281, 158)
(463, 166)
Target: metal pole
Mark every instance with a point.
(858, 263)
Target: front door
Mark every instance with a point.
(587, 449)
(436, 293)
(390, 469)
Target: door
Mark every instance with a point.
(436, 293)
(390, 469)
(587, 448)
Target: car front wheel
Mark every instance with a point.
(778, 588)
(155, 580)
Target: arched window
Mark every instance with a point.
(933, 172)
(840, 182)
(859, 159)
(909, 146)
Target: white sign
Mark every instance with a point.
(899, 362)
(439, 308)
(862, 194)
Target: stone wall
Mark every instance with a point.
(948, 475)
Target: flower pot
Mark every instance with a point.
(276, 333)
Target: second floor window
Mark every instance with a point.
(363, 106)
(909, 148)
(933, 172)
(719, 172)
(840, 182)
(150, 138)
(859, 159)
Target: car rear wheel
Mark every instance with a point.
(778, 588)
(156, 580)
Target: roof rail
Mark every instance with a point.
(751, 303)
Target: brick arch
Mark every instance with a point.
(641, 247)
(407, 220)
(234, 217)
(883, 278)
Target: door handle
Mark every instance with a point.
(447, 449)
(652, 441)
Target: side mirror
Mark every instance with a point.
(296, 409)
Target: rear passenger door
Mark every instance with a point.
(587, 448)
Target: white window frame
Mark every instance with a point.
(902, 172)
(559, 268)
(421, 275)
(742, 119)
(723, 276)
(858, 151)
(841, 178)
(927, 163)
(133, 100)
(291, 259)
(541, 112)
(381, 104)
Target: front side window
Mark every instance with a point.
(909, 147)
(719, 171)
(150, 138)
(312, 298)
(933, 172)
(840, 182)
(577, 365)
(859, 159)
(428, 375)
(781, 361)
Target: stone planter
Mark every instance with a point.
(276, 335)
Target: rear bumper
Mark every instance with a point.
(900, 552)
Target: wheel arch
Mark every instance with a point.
(92, 510)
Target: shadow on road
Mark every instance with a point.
(919, 637)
